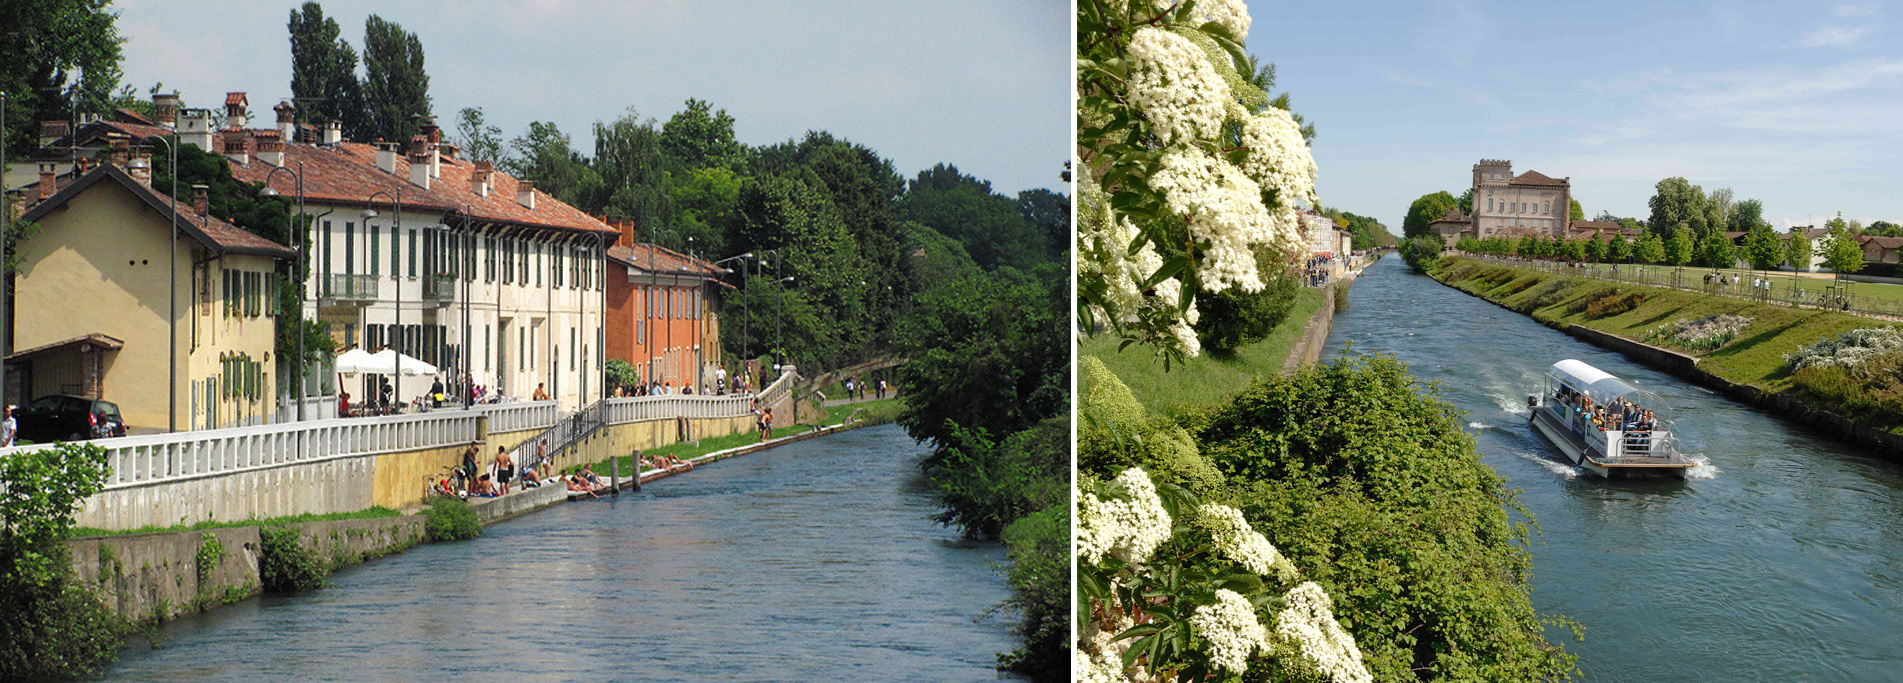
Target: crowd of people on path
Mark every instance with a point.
(856, 388)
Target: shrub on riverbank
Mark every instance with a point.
(1421, 252)
(284, 564)
(1371, 488)
(450, 519)
(51, 626)
(1700, 334)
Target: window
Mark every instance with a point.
(508, 265)
(489, 359)
(571, 348)
(396, 265)
(412, 253)
(350, 248)
(538, 265)
(521, 348)
(326, 259)
(555, 267)
(376, 238)
(1489, 203)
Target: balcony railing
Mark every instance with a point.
(352, 287)
(439, 288)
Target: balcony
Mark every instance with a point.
(439, 288)
(351, 288)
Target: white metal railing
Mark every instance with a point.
(694, 406)
(516, 417)
(160, 458)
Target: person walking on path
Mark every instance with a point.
(9, 428)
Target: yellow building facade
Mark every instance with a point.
(96, 275)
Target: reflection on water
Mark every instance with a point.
(1781, 559)
(813, 561)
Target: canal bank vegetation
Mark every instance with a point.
(368, 513)
(51, 625)
(1758, 353)
(1365, 484)
(1213, 376)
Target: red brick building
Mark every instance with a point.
(663, 313)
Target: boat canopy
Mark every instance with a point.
(1598, 384)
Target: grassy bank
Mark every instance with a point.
(1207, 379)
(1755, 357)
(372, 513)
(869, 412)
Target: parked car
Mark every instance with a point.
(69, 418)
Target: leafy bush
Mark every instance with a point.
(1233, 318)
(1552, 292)
(1870, 391)
(50, 625)
(1614, 303)
(1040, 590)
(985, 486)
(284, 564)
(1421, 252)
(1367, 482)
(450, 519)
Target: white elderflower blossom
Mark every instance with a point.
(1225, 209)
(1232, 630)
(1174, 86)
(1232, 15)
(1278, 157)
(1308, 626)
(1238, 541)
(1097, 667)
(1128, 530)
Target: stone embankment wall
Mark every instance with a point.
(154, 577)
(1308, 349)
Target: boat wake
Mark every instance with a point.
(1512, 406)
(1703, 470)
(1479, 425)
(1556, 467)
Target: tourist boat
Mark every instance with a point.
(1611, 451)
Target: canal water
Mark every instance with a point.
(1780, 559)
(813, 561)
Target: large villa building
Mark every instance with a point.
(1530, 203)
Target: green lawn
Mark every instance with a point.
(372, 513)
(1756, 357)
(1813, 284)
(1207, 379)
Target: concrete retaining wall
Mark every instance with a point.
(340, 485)
(154, 577)
(346, 542)
(1308, 349)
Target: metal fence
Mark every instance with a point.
(1784, 290)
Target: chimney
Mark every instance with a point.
(433, 136)
(166, 104)
(235, 106)
(201, 200)
(270, 147)
(140, 168)
(333, 133)
(525, 193)
(420, 164)
(49, 180)
(480, 176)
(121, 149)
(236, 140)
(52, 131)
(195, 128)
(386, 157)
(287, 126)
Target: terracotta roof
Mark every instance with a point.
(1453, 216)
(130, 116)
(1884, 242)
(651, 258)
(1536, 178)
(347, 174)
(232, 98)
(214, 234)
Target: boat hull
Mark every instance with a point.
(1577, 454)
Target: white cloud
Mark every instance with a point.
(1837, 36)
(1853, 11)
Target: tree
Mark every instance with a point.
(701, 136)
(1595, 250)
(1842, 254)
(1427, 209)
(545, 156)
(1678, 248)
(1797, 250)
(1677, 203)
(1466, 203)
(964, 208)
(1048, 214)
(1575, 250)
(1421, 252)
(630, 161)
(1747, 216)
(395, 86)
(58, 53)
(324, 72)
(56, 625)
(1233, 318)
(1618, 250)
(1761, 246)
(479, 140)
(990, 356)
(1650, 249)
(1718, 252)
(1884, 228)
(1578, 213)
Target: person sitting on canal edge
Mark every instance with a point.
(540, 394)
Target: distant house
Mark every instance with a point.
(1880, 249)
(1452, 227)
(1816, 237)
(1603, 231)
(91, 311)
(663, 313)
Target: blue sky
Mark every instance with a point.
(1797, 104)
(982, 84)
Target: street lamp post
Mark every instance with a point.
(469, 282)
(743, 258)
(6, 216)
(302, 258)
(171, 384)
(396, 310)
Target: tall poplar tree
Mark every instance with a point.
(324, 72)
(395, 87)
(55, 51)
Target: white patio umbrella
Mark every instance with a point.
(357, 361)
(409, 367)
